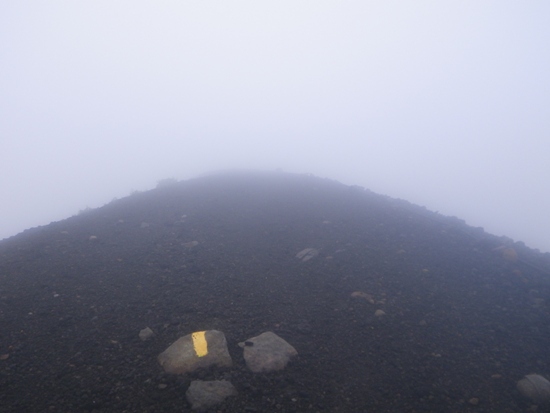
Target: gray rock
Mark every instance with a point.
(201, 349)
(535, 387)
(307, 254)
(146, 334)
(267, 352)
(205, 394)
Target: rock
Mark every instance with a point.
(191, 244)
(474, 401)
(205, 394)
(509, 254)
(201, 349)
(535, 387)
(379, 313)
(307, 254)
(363, 295)
(267, 352)
(146, 334)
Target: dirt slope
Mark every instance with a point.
(463, 318)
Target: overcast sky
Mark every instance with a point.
(443, 103)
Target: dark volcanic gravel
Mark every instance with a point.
(463, 319)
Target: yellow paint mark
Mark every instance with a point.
(199, 343)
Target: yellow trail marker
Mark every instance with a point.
(200, 344)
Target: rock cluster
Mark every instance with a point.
(203, 349)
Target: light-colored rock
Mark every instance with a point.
(267, 352)
(146, 334)
(363, 295)
(307, 254)
(535, 387)
(379, 313)
(201, 349)
(474, 401)
(205, 394)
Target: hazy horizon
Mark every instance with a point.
(444, 105)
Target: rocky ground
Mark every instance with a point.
(465, 314)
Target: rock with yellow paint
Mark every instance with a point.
(200, 349)
(267, 352)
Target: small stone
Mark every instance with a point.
(379, 313)
(162, 386)
(307, 254)
(363, 295)
(474, 401)
(146, 334)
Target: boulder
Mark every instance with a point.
(205, 394)
(535, 387)
(201, 349)
(267, 352)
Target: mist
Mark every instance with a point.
(444, 104)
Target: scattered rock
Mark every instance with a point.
(267, 352)
(191, 244)
(205, 394)
(307, 254)
(146, 334)
(363, 295)
(197, 350)
(509, 254)
(379, 313)
(474, 401)
(535, 387)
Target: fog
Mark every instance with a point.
(444, 104)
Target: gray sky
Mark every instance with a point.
(443, 103)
